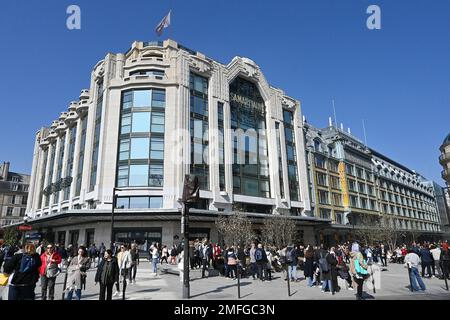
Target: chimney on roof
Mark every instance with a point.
(349, 132)
(342, 126)
(330, 122)
(4, 170)
(304, 119)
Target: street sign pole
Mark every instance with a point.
(185, 232)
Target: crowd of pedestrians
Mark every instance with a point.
(325, 268)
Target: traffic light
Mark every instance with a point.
(191, 190)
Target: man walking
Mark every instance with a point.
(205, 255)
(383, 255)
(426, 259)
(412, 261)
(436, 253)
(261, 262)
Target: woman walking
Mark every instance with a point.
(107, 274)
(309, 265)
(76, 273)
(358, 268)
(155, 258)
(49, 270)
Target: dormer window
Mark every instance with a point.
(317, 145)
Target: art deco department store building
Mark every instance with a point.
(152, 115)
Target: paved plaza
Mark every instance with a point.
(391, 284)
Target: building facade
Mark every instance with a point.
(444, 159)
(161, 111)
(13, 195)
(353, 184)
(151, 116)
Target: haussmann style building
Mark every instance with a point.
(13, 195)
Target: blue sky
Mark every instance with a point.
(396, 78)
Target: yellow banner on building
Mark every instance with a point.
(344, 187)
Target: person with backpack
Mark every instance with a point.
(49, 270)
(107, 274)
(232, 263)
(261, 262)
(325, 271)
(358, 268)
(25, 267)
(76, 273)
(291, 261)
(426, 259)
(93, 252)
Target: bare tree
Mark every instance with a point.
(279, 230)
(389, 231)
(235, 229)
(368, 229)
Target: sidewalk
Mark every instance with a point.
(167, 286)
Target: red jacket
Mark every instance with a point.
(55, 256)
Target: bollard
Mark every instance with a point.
(124, 286)
(288, 281)
(373, 279)
(239, 280)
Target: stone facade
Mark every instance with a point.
(161, 111)
(13, 195)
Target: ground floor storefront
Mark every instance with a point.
(144, 228)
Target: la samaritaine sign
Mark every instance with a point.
(57, 186)
(246, 101)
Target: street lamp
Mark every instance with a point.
(114, 203)
(191, 192)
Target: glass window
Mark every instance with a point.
(138, 175)
(141, 122)
(140, 148)
(157, 122)
(124, 149)
(127, 100)
(287, 117)
(157, 149)
(126, 124)
(142, 98)
(159, 98)
(123, 203)
(250, 187)
(122, 176)
(156, 202)
(138, 202)
(156, 178)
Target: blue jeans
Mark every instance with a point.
(77, 293)
(327, 283)
(414, 275)
(310, 281)
(155, 265)
(293, 272)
